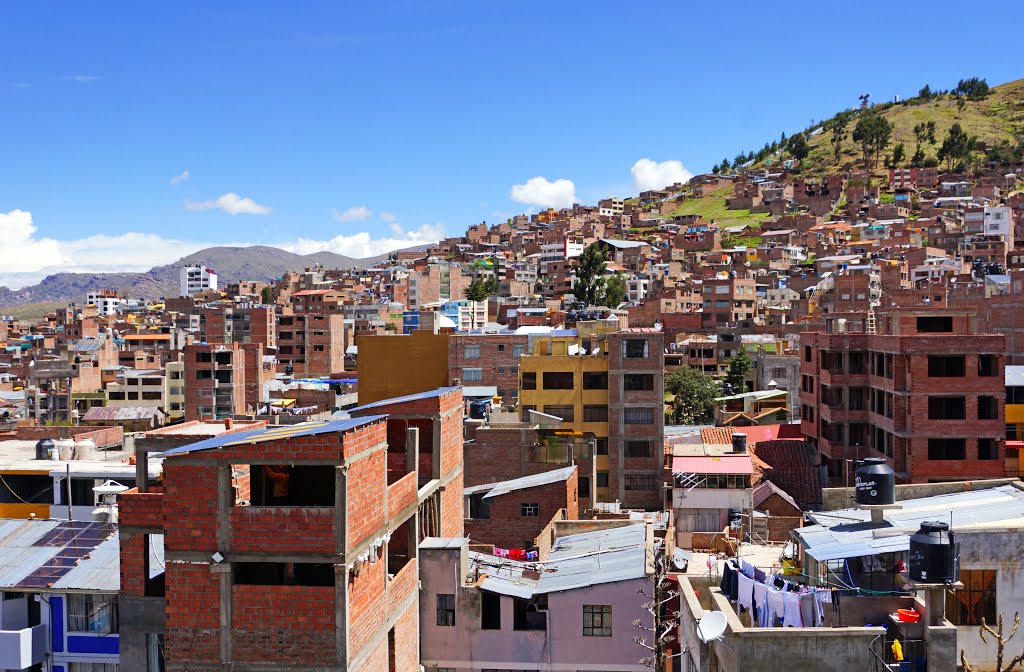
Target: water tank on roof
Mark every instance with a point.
(65, 448)
(934, 554)
(85, 449)
(875, 483)
(43, 449)
(739, 443)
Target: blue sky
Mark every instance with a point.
(359, 127)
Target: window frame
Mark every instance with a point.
(597, 620)
(445, 609)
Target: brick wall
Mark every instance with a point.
(104, 437)
(508, 528)
(192, 613)
(301, 631)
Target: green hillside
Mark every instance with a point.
(998, 118)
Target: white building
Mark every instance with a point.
(999, 222)
(555, 252)
(106, 302)
(638, 288)
(195, 279)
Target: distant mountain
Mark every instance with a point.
(232, 264)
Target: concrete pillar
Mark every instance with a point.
(412, 448)
(341, 570)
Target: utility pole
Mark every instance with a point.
(664, 622)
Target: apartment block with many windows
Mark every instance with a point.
(915, 386)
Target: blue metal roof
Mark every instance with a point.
(278, 433)
(409, 397)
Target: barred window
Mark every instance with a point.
(530, 510)
(597, 620)
(638, 416)
(975, 601)
(640, 482)
(638, 448)
(595, 414)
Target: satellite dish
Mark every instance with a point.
(712, 626)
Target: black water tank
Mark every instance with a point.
(934, 554)
(739, 443)
(43, 447)
(876, 482)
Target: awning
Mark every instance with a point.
(732, 464)
(283, 403)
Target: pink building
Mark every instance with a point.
(571, 610)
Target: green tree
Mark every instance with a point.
(695, 393)
(715, 169)
(961, 103)
(872, 133)
(267, 296)
(725, 165)
(739, 367)
(589, 287)
(973, 88)
(838, 125)
(897, 157)
(614, 290)
(957, 147)
(798, 147)
(925, 93)
(480, 289)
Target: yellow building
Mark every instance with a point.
(397, 365)
(1014, 418)
(564, 377)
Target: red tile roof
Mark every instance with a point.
(795, 469)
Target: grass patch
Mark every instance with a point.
(32, 311)
(713, 207)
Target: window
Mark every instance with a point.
(204, 374)
(445, 609)
(975, 601)
(501, 347)
(96, 667)
(566, 413)
(946, 366)
(518, 350)
(584, 486)
(988, 366)
(634, 382)
(116, 396)
(1015, 395)
(638, 416)
(472, 351)
(93, 613)
(595, 414)
(807, 353)
(529, 510)
(947, 449)
(602, 479)
(595, 381)
(529, 381)
(638, 448)
(597, 620)
(640, 482)
(935, 325)
(947, 408)
(270, 485)
(988, 449)
(558, 380)
(988, 408)
(490, 611)
(602, 446)
(472, 375)
(283, 574)
(636, 348)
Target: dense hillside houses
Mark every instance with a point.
(750, 395)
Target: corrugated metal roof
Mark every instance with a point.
(726, 464)
(401, 400)
(532, 481)
(575, 561)
(849, 533)
(90, 345)
(44, 554)
(278, 433)
(120, 413)
(480, 391)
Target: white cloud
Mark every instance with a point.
(648, 174)
(388, 217)
(26, 259)
(540, 191)
(82, 79)
(231, 203)
(180, 177)
(357, 213)
(362, 244)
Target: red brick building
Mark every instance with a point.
(238, 324)
(222, 381)
(296, 548)
(311, 344)
(511, 514)
(487, 360)
(919, 388)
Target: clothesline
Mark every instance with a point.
(769, 598)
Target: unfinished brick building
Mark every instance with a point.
(916, 386)
(512, 514)
(295, 547)
(222, 381)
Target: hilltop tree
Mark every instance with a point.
(695, 393)
(267, 296)
(725, 165)
(614, 290)
(923, 132)
(715, 169)
(590, 280)
(739, 367)
(481, 288)
(897, 157)
(798, 147)
(872, 133)
(973, 88)
(961, 103)
(957, 147)
(925, 93)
